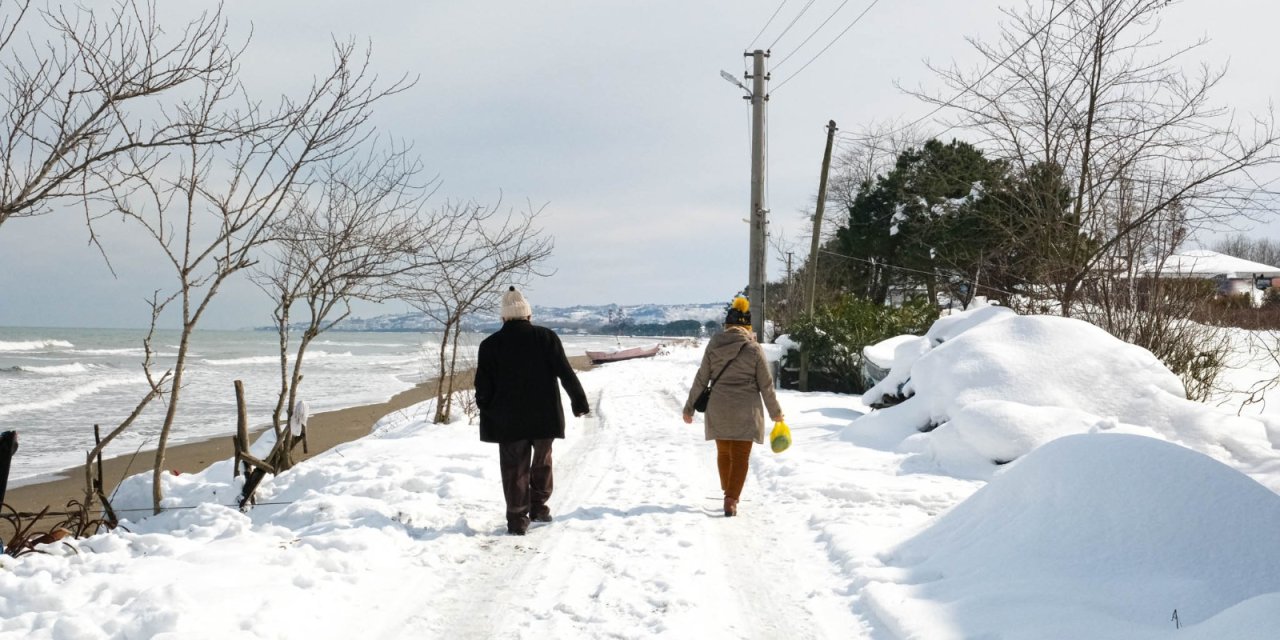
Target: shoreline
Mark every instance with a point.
(326, 430)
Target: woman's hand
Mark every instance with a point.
(779, 418)
(688, 419)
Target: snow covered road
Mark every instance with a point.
(401, 535)
(639, 547)
(848, 534)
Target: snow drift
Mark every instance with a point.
(985, 387)
(1093, 536)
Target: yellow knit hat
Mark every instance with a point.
(739, 312)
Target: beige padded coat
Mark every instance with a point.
(735, 411)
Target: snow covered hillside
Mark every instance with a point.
(580, 317)
(1103, 525)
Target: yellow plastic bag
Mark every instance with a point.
(780, 438)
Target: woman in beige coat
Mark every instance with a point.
(734, 417)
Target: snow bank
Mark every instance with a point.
(907, 349)
(884, 352)
(401, 533)
(991, 386)
(1093, 536)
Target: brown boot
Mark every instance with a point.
(730, 507)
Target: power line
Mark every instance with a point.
(792, 24)
(766, 25)
(829, 45)
(876, 263)
(810, 37)
(970, 86)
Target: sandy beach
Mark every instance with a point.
(325, 431)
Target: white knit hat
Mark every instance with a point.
(514, 305)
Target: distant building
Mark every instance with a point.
(1234, 276)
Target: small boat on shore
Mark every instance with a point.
(601, 357)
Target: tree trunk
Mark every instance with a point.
(283, 330)
(170, 414)
(441, 415)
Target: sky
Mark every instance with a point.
(611, 117)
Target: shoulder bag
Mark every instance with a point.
(700, 405)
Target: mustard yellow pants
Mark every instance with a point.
(732, 457)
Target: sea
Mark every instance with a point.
(57, 383)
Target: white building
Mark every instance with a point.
(1235, 276)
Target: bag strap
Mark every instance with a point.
(726, 366)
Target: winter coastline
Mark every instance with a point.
(326, 430)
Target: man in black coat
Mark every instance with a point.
(519, 399)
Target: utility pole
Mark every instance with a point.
(813, 248)
(755, 288)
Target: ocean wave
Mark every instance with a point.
(226, 362)
(311, 355)
(338, 343)
(136, 352)
(326, 354)
(69, 396)
(59, 369)
(35, 345)
(131, 351)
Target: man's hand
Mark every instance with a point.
(688, 419)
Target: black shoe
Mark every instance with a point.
(542, 517)
(517, 527)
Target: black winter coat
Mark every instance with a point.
(516, 384)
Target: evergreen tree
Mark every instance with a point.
(923, 224)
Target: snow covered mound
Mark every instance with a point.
(1040, 361)
(1093, 536)
(907, 349)
(949, 326)
(1007, 384)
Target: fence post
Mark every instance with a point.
(8, 446)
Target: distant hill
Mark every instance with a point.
(565, 319)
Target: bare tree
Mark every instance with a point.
(364, 228)
(1131, 300)
(156, 385)
(491, 249)
(209, 209)
(82, 92)
(1264, 250)
(1086, 86)
(861, 156)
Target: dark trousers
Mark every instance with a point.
(526, 479)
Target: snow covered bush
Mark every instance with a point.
(836, 334)
(985, 387)
(889, 391)
(1172, 318)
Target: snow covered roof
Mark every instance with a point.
(1202, 263)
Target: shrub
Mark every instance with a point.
(835, 335)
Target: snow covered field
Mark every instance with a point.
(1100, 527)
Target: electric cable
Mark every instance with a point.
(829, 45)
(766, 25)
(876, 263)
(792, 24)
(970, 86)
